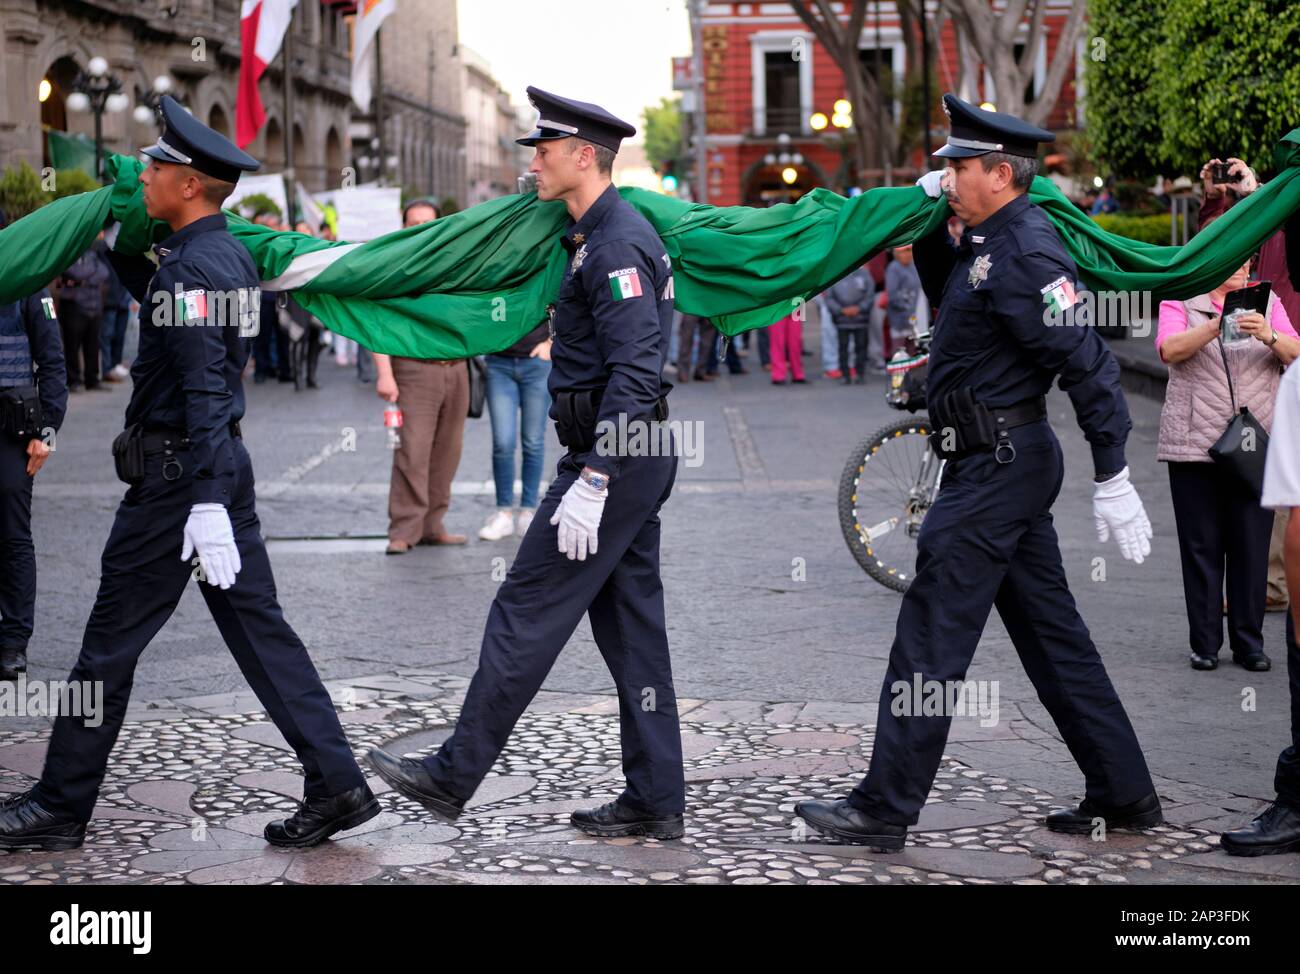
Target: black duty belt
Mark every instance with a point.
(979, 429)
(165, 441)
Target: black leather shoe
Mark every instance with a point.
(13, 663)
(319, 818)
(413, 780)
(1275, 830)
(1142, 814)
(26, 825)
(1205, 662)
(616, 819)
(1256, 663)
(842, 821)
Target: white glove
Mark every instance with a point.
(578, 515)
(208, 531)
(932, 182)
(1117, 507)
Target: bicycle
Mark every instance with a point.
(893, 476)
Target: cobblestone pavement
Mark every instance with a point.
(782, 671)
(194, 781)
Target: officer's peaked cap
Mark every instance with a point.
(564, 117)
(976, 132)
(187, 141)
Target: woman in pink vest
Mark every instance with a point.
(1220, 524)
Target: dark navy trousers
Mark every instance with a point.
(989, 541)
(17, 556)
(1287, 779)
(540, 603)
(142, 580)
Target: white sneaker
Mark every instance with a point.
(525, 519)
(120, 371)
(500, 525)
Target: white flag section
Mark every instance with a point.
(370, 14)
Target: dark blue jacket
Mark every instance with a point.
(32, 351)
(991, 332)
(196, 313)
(613, 316)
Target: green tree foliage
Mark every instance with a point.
(1121, 100)
(663, 133)
(1229, 80)
(1173, 83)
(21, 192)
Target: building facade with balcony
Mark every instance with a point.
(766, 77)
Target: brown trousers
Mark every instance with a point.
(1276, 565)
(434, 399)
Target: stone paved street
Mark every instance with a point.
(778, 674)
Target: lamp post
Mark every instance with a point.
(147, 102)
(97, 91)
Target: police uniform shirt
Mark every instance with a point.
(33, 323)
(197, 316)
(613, 316)
(992, 291)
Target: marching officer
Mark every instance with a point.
(1003, 334)
(594, 546)
(191, 493)
(33, 398)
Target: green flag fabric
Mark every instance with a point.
(477, 281)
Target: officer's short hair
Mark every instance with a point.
(215, 191)
(604, 156)
(1023, 168)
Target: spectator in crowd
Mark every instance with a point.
(1104, 203)
(786, 343)
(830, 339)
(117, 315)
(696, 337)
(271, 344)
(850, 300)
(305, 332)
(518, 403)
(1273, 265)
(1220, 523)
(81, 292)
(903, 293)
(433, 395)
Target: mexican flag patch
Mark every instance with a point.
(48, 305)
(1059, 295)
(192, 305)
(625, 284)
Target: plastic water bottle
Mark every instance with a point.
(393, 424)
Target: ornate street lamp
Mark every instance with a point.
(95, 90)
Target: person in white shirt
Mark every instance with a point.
(1277, 828)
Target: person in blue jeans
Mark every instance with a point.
(516, 388)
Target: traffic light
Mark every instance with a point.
(668, 178)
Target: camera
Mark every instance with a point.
(1220, 174)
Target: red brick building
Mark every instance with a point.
(760, 99)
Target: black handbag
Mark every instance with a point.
(477, 385)
(1243, 446)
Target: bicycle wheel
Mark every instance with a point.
(885, 491)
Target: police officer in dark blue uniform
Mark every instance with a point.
(1004, 331)
(33, 398)
(191, 492)
(594, 547)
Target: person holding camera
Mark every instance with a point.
(1220, 525)
(1226, 183)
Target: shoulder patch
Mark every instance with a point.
(1059, 294)
(625, 283)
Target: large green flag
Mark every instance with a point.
(478, 280)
